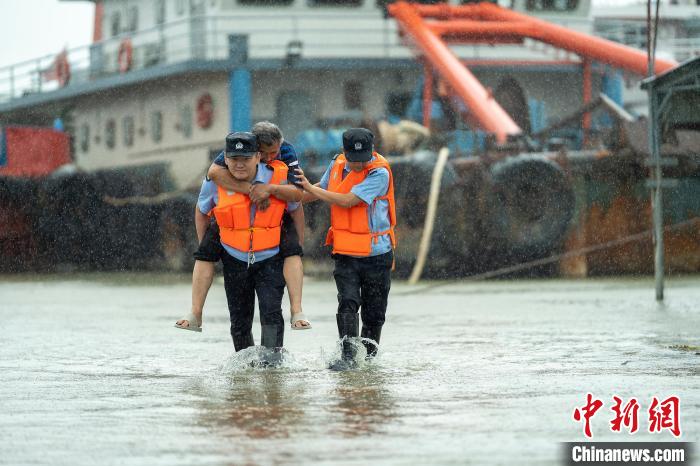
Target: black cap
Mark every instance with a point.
(357, 144)
(241, 143)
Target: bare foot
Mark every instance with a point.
(301, 323)
(185, 323)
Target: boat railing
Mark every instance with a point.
(679, 49)
(359, 35)
(364, 35)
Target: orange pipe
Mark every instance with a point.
(479, 30)
(97, 26)
(445, 11)
(588, 46)
(481, 104)
(481, 27)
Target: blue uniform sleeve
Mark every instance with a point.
(288, 155)
(292, 206)
(326, 176)
(375, 185)
(208, 197)
(219, 160)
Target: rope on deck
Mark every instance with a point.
(556, 257)
(429, 223)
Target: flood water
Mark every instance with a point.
(93, 372)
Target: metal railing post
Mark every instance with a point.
(38, 75)
(12, 82)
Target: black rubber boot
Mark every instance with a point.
(373, 333)
(348, 327)
(241, 342)
(272, 336)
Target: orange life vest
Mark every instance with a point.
(349, 232)
(232, 213)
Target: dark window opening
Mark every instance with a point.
(110, 133)
(132, 19)
(180, 7)
(186, 121)
(352, 95)
(160, 11)
(341, 3)
(156, 126)
(116, 20)
(128, 130)
(397, 103)
(265, 2)
(551, 5)
(84, 138)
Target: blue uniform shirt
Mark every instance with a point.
(375, 185)
(209, 198)
(287, 155)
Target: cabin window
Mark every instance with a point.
(196, 7)
(110, 133)
(84, 137)
(341, 3)
(128, 130)
(160, 11)
(156, 126)
(397, 103)
(551, 5)
(186, 121)
(132, 19)
(180, 7)
(265, 2)
(115, 23)
(352, 95)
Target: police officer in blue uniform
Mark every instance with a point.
(358, 184)
(272, 146)
(248, 272)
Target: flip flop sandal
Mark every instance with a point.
(192, 320)
(299, 317)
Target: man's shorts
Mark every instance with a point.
(211, 250)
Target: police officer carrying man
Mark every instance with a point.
(273, 149)
(358, 184)
(251, 240)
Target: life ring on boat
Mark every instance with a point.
(125, 55)
(62, 69)
(205, 110)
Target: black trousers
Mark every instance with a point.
(363, 284)
(242, 283)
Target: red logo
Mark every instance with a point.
(663, 415)
(626, 416)
(591, 407)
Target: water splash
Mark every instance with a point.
(259, 358)
(358, 345)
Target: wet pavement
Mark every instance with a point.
(93, 372)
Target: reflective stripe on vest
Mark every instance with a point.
(350, 232)
(232, 213)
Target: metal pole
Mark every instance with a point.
(586, 123)
(12, 82)
(656, 199)
(657, 205)
(38, 75)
